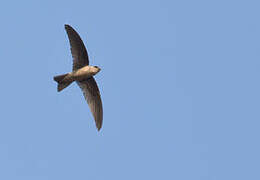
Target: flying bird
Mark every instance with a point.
(82, 73)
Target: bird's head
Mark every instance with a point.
(95, 69)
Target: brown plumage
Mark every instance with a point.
(83, 74)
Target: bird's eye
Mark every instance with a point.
(95, 66)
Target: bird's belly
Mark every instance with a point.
(81, 75)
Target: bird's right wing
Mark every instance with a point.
(92, 95)
(78, 50)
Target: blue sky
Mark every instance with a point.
(179, 83)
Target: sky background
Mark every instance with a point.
(179, 82)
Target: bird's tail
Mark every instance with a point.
(63, 81)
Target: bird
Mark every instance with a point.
(82, 73)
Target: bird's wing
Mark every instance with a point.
(92, 95)
(78, 50)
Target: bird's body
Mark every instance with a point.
(83, 74)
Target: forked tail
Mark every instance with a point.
(63, 81)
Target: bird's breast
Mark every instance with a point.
(82, 73)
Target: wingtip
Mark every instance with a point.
(67, 26)
(99, 128)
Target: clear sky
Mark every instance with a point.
(179, 82)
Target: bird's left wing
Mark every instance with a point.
(92, 95)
